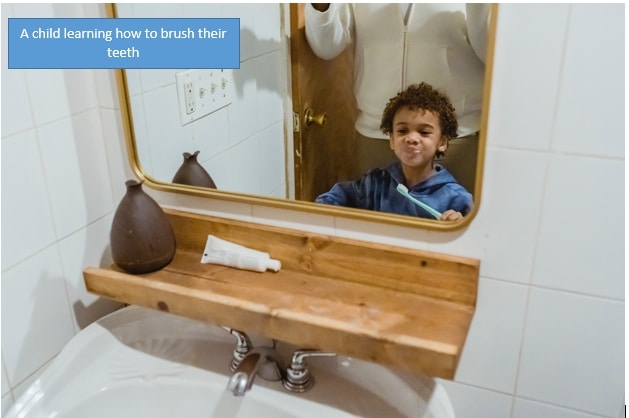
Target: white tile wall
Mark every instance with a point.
(87, 247)
(119, 167)
(156, 78)
(160, 108)
(36, 317)
(141, 134)
(267, 35)
(201, 9)
(492, 349)
(76, 171)
(573, 352)
(593, 47)
(60, 93)
(243, 112)
(548, 336)
(257, 103)
(221, 169)
(246, 165)
(270, 95)
(149, 10)
(26, 212)
(524, 408)
(579, 238)
(527, 74)
(17, 115)
(474, 402)
(30, 10)
(69, 9)
(512, 227)
(134, 83)
(210, 135)
(248, 35)
(7, 403)
(271, 171)
(105, 88)
(5, 382)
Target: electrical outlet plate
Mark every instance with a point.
(188, 93)
(201, 92)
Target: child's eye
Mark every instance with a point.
(425, 133)
(402, 131)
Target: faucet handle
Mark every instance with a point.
(298, 376)
(243, 346)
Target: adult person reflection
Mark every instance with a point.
(419, 122)
(398, 44)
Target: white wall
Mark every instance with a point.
(57, 202)
(547, 339)
(242, 145)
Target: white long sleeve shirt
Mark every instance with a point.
(437, 44)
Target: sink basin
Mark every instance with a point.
(138, 362)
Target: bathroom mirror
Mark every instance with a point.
(260, 138)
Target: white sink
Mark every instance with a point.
(139, 362)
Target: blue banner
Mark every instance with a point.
(107, 43)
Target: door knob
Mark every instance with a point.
(310, 118)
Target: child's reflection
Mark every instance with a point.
(419, 122)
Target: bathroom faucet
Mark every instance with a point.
(248, 362)
(298, 376)
(264, 362)
(243, 346)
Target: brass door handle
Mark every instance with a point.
(310, 118)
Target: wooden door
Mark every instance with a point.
(323, 155)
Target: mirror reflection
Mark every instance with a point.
(419, 121)
(303, 113)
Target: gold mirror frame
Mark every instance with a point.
(311, 207)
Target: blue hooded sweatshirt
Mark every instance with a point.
(376, 190)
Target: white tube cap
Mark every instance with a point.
(272, 264)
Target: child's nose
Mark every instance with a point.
(413, 138)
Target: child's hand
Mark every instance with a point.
(450, 215)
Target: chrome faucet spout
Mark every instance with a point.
(264, 362)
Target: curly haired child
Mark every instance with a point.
(419, 122)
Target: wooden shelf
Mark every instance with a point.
(405, 308)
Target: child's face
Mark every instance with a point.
(416, 137)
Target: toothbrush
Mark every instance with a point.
(403, 190)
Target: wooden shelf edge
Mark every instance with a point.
(328, 305)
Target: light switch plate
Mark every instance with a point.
(201, 92)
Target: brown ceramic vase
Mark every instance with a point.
(141, 237)
(192, 172)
